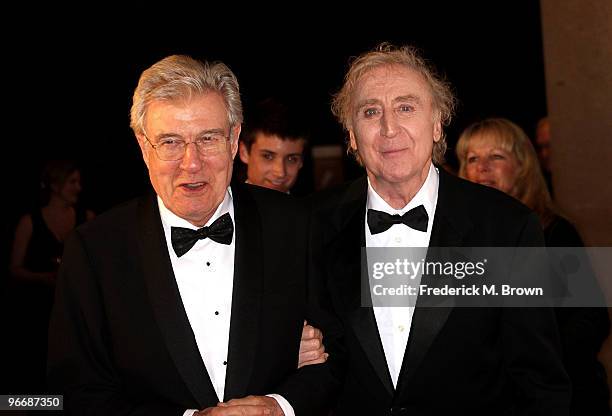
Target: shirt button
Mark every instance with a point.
(216, 312)
(398, 239)
(401, 328)
(224, 362)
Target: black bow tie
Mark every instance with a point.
(379, 221)
(221, 231)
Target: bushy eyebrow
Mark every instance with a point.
(201, 133)
(410, 98)
(369, 101)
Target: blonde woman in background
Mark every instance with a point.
(496, 152)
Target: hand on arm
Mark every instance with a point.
(247, 406)
(312, 350)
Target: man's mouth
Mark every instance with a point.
(391, 151)
(193, 186)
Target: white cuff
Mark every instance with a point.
(283, 403)
(190, 412)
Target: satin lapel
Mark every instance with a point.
(246, 297)
(166, 302)
(449, 227)
(345, 269)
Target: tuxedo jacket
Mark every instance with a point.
(457, 361)
(120, 340)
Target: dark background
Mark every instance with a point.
(71, 81)
(68, 76)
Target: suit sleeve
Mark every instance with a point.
(312, 390)
(532, 347)
(80, 364)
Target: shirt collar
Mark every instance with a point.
(426, 196)
(170, 219)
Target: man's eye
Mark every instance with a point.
(370, 112)
(405, 108)
(294, 159)
(170, 142)
(208, 139)
(267, 156)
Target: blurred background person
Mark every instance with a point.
(35, 258)
(542, 142)
(496, 152)
(39, 236)
(272, 146)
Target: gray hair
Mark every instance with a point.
(385, 54)
(180, 76)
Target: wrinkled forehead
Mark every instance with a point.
(392, 81)
(214, 100)
(208, 105)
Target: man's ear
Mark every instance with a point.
(234, 137)
(352, 141)
(437, 129)
(244, 153)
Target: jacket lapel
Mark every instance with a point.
(246, 296)
(166, 302)
(450, 226)
(349, 219)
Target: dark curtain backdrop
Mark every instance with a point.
(70, 80)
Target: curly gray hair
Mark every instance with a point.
(385, 54)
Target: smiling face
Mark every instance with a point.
(272, 162)
(488, 164)
(194, 186)
(394, 127)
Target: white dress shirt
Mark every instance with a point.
(205, 279)
(394, 322)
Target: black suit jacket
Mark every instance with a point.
(458, 360)
(120, 340)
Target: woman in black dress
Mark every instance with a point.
(35, 259)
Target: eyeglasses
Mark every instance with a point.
(173, 148)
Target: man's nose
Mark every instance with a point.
(192, 159)
(388, 124)
(279, 168)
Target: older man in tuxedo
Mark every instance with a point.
(424, 360)
(182, 300)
